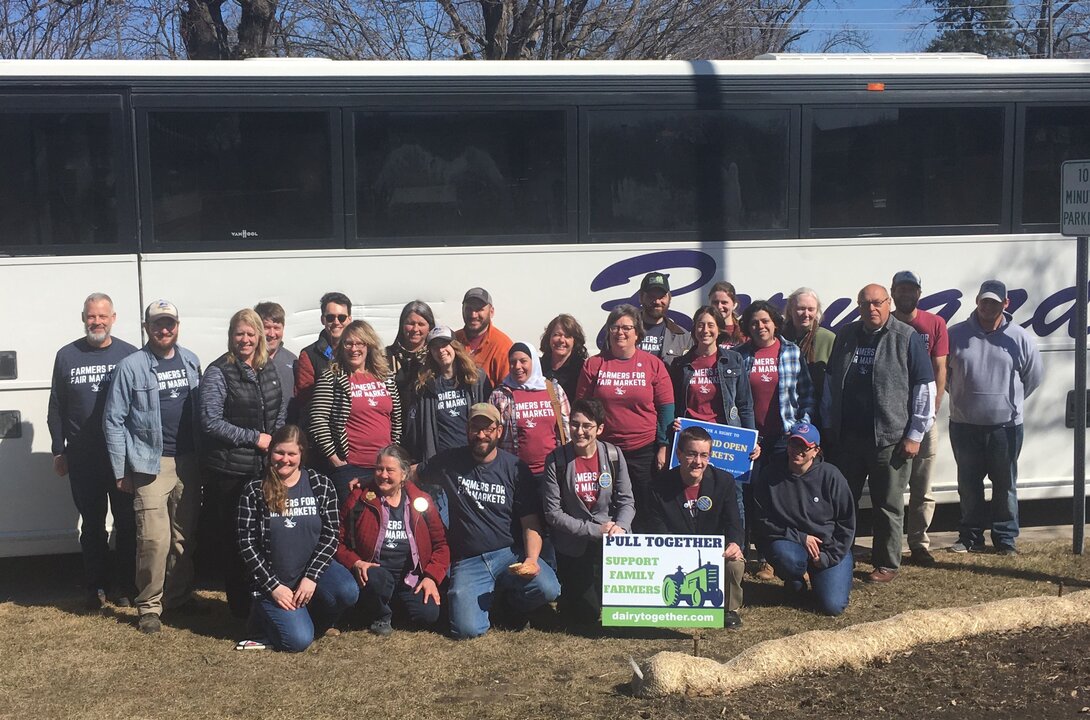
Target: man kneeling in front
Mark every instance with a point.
(696, 498)
(492, 500)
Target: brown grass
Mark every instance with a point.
(62, 663)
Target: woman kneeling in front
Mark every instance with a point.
(287, 533)
(805, 521)
(394, 543)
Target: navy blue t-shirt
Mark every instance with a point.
(175, 406)
(451, 416)
(295, 534)
(486, 499)
(395, 552)
(81, 378)
(858, 403)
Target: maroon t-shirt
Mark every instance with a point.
(764, 379)
(933, 329)
(692, 492)
(535, 423)
(703, 401)
(370, 420)
(586, 480)
(631, 391)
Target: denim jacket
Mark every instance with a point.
(734, 389)
(131, 421)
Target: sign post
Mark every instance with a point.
(1075, 221)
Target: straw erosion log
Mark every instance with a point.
(672, 673)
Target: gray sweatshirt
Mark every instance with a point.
(991, 373)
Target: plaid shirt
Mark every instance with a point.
(255, 540)
(796, 391)
(503, 400)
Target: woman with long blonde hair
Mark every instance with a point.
(356, 408)
(241, 405)
(287, 534)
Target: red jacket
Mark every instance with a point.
(360, 518)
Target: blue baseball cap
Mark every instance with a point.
(805, 432)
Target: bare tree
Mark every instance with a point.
(38, 29)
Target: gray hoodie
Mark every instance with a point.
(991, 373)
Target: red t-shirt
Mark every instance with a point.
(703, 401)
(692, 492)
(764, 379)
(586, 480)
(933, 329)
(535, 423)
(369, 422)
(631, 391)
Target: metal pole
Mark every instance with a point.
(1080, 396)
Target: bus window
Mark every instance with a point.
(240, 176)
(906, 167)
(688, 170)
(58, 183)
(465, 174)
(1052, 135)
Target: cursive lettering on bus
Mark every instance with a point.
(1053, 312)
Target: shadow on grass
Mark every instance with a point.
(1015, 573)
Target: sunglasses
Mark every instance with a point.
(331, 318)
(165, 323)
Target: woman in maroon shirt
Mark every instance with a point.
(635, 389)
(356, 408)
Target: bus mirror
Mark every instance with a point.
(11, 424)
(1069, 415)
(9, 367)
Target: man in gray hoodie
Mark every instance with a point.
(994, 365)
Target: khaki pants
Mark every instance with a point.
(167, 506)
(921, 503)
(734, 569)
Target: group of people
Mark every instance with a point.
(458, 470)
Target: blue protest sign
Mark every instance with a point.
(731, 447)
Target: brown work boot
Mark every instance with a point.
(881, 575)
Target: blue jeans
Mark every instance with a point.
(990, 450)
(475, 580)
(341, 476)
(831, 585)
(295, 630)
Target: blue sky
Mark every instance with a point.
(891, 24)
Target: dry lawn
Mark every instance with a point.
(63, 663)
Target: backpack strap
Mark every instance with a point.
(550, 387)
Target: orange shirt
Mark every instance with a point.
(491, 354)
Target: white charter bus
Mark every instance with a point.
(555, 185)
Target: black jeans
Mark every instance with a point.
(580, 585)
(641, 471)
(92, 483)
(383, 590)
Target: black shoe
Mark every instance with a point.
(382, 627)
(149, 624)
(922, 557)
(732, 620)
(1006, 550)
(94, 600)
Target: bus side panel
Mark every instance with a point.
(42, 300)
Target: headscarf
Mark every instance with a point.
(536, 381)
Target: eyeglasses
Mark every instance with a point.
(354, 344)
(873, 303)
(690, 455)
(486, 430)
(331, 318)
(621, 328)
(576, 426)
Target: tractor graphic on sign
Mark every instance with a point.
(695, 587)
